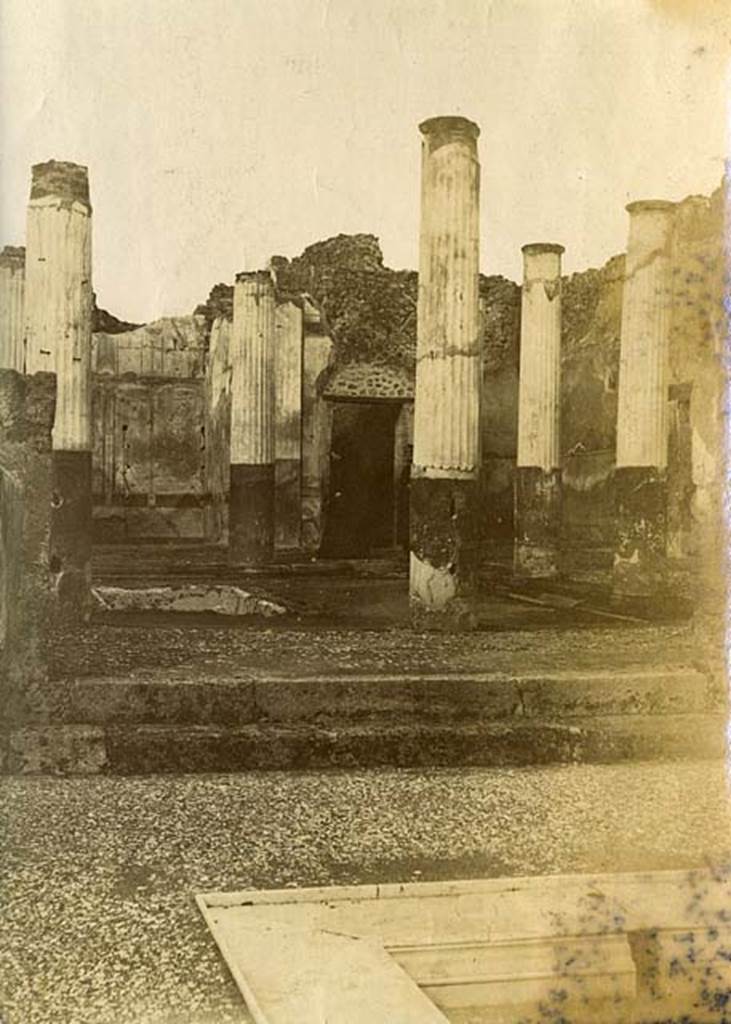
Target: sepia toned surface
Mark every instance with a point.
(319, 570)
(110, 931)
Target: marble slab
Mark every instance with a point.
(589, 946)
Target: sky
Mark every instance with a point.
(220, 132)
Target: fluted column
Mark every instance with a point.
(58, 310)
(538, 476)
(12, 308)
(251, 501)
(288, 425)
(446, 414)
(642, 415)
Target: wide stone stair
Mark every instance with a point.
(184, 720)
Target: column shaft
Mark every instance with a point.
(251, 500)
(58, 310)
(288, 426)
(12, 309)
(446, 414)
(642, 418)
(538, 474)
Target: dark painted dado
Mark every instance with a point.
(537, 521)
(444, 535)
(640, 560)
(71, 530)
(251, 514)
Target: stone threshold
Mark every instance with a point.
(631, 947)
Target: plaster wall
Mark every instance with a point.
(150, 413)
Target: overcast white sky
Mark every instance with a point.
(220, 132)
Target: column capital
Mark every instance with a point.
(541, 248)
(650, 206)
(255, 277)
(59, 178)
(439, 131)
(12, 256)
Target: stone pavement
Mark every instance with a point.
(99, 924)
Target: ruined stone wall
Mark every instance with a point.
(369, 310)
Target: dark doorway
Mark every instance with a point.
(360, 515)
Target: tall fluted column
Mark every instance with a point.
(288, 426)
(58, 310)
(538, 474)
(251, 501)
(446, 413)
(642, 416)
(12, 308)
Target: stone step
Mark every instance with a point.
(177, 697)
(149, 748)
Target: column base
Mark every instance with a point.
(287, 504)
(444, 552)
(537, 522)
(71, 532)
(640, 563)
(251, 515)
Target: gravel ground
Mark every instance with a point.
(98, 921)
(116, 648)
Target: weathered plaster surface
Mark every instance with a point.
(26, 599)
(12, 308)
(170, 347)
(152, 411)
